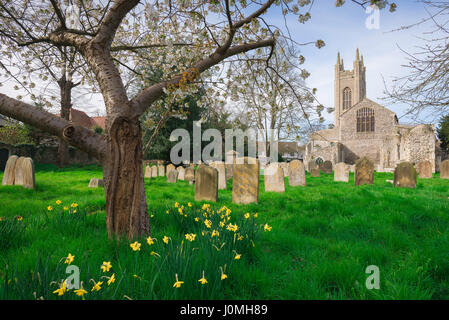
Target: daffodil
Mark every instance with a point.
(256, 215)
(165, 239)
(178, 283)
(180, 210)
(237, 256)
(62, 288)
(69, 259)
(58, 202)
(155, 254)
(49, 208)
(223, 276)
(80, 292)
(176, 204)
(106, 266)
(19, 218)
(266, 227)
(203, 279)
(197, 219)
(111, 279)
(247, 215)
(190, 236)
(66, 208)
(74, 205)
(208, 223)
(232, 227)
(150, 241)
(97, 286)
(189, 204)
(135, 246)
(215, 233)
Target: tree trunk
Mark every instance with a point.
(126, 207)
(65, 87)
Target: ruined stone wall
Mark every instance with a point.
(418, 144)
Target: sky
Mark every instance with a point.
(343, 30)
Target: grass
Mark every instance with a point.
(323, 238)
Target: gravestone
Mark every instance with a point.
(153, 171)
(181, 172)
(161, 170)
(297, 173)
(95, 183)
(364, 172)
(24, 173)
(405, 175)
(326, 167)
(274, 178)
(245, 181)
(312, 165)
(228, 171)
(10, 171)
(189, 174)
(444, 169)
(206, 183)
(221, 167)
(425, 170)
(147, 172)
(315, 172)
(341, 172)
(169, 168)
(172, 176)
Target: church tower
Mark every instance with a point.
(350, 86)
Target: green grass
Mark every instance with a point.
(323, 237)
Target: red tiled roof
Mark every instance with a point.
(81, 118)
(100, 121)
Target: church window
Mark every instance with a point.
(365, 120)
(347, 98)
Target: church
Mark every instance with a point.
(364, 128)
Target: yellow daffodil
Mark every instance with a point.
(190, 236)
(237, 256)
(232, 227)
(197, 219)
(256, 215)
(155, 254)
(208, 223)
(223, 276)
(19, 218)
(106, 266)
(80, 292)
(150, 241)
(66, 208)
(135, 246)
(189, 204)
(74, 205)
(247, 215)
(178, 283)
(62, 289)
(203, 280)
(180, 211)
(215, 233)
(266, 227)
(69, 259)
(167, 212)
(111, 279)
(176, 204)
(97, 286)
(58, 202)
(49, 208)
(165, 239)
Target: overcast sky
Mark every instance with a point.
(343, 30)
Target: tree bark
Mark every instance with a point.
(66, 104)
(126, 207)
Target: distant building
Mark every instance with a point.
(364, 128)
(81, 118)
(288, 150)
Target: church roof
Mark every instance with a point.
(327, 134)
(366, 101)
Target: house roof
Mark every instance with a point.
(81, 118)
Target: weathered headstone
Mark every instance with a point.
(161, 170)
(221, 167)
(245, 182)
(24, 173)
(285, 167)
(189, 174)
(364, 172)
(153, 171)
(228, 171)
(169, 168)
(315, 172)
(297, 173)
(181, 172)
(425, 170)
(444, 169)
(95, 183)
(147, 172)
(10, 171)
(206, 183)
(405, 175)
(274, 178)
(326, 167)
(341, 172)
(172, 176)
(312, 165)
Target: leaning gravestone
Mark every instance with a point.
(364, 172)
(206, 183)
(172, 176)
(425, 170)
(312, 165)
(161, 170)
(169, 168)
(341, 172)
(315, 172)
(189, 174)
(405, 175)
(95, 183)
(181, 172)
(297, 173)
(274, 178)
(24, 173)
(245, 181)
(153, 171)
(444, 169)
(221, 167)
(326, 167)
(10, 171)
(147, 172)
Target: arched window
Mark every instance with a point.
(347, 98)
(365, 120)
